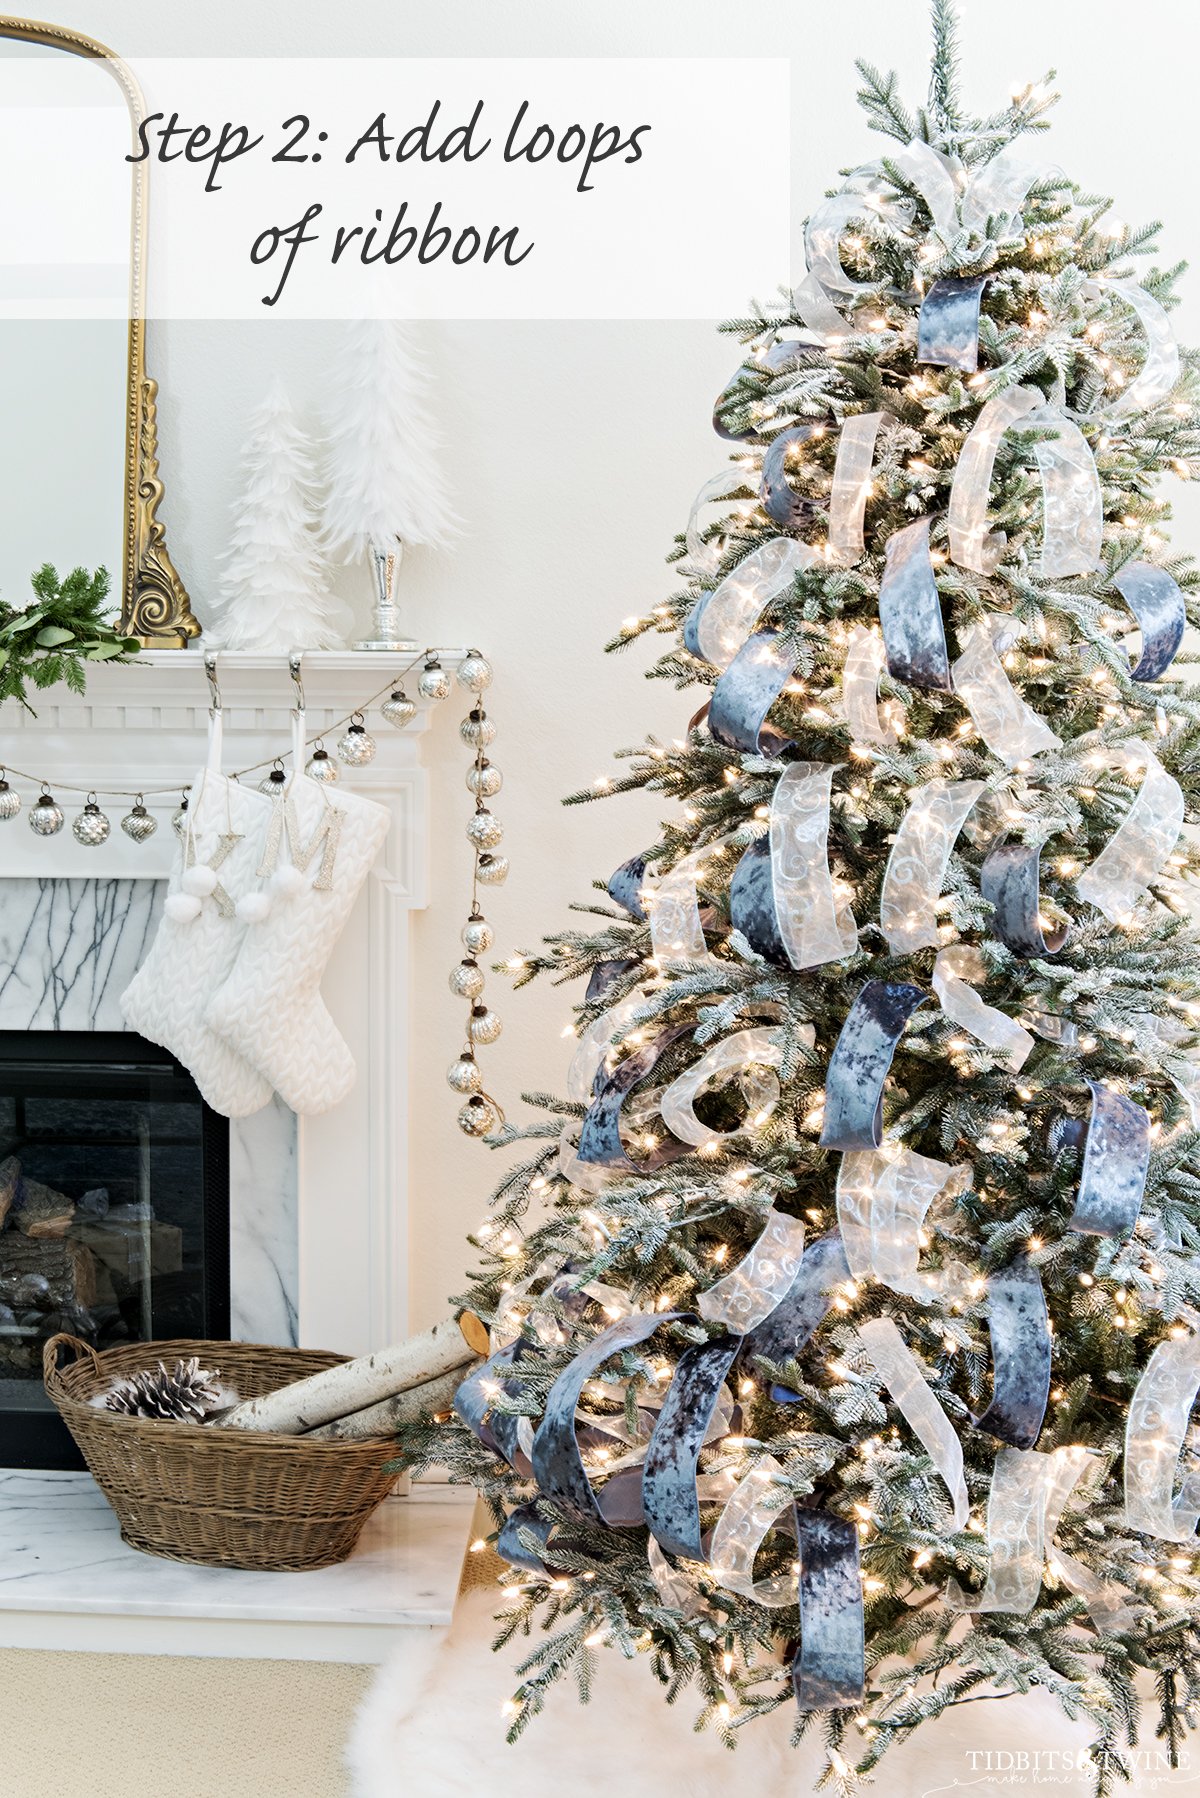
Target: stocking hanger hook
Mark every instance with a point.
(210, 669)
(294, 661)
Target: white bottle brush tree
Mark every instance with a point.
(386, 488)
(274, 595)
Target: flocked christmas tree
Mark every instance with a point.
(846, 1316)
(273, 595)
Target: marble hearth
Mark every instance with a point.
(319, 1222)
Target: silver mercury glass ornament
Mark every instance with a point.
(477, 934)
(10, 799)
(463, 1075)
(357, 747)
(385, 621)
(484, 1026)
(478, 1116)
(138, 824)
(321, 766)
(45, 818)
(399, 709)
(91, 827)
(483, 780)
(492, 870)
(179, 817)
(466, 980)
(274, 782)
(477, 729)
(484, 830)
(474, 673)
(433, 682)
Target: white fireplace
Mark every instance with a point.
(319, 1211)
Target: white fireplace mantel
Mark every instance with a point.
(337, 1183)
(143, 726)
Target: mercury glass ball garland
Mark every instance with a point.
(321, 766)
(138, 824)
(433, 681)
(399, 710)
(45, 818)
(358, 746)
(91, 827)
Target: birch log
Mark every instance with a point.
(352, 1386)
(393, 1414)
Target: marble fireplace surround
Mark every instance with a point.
(319, 1206)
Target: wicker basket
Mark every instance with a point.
(213, 1497)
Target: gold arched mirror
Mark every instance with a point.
(79, 452)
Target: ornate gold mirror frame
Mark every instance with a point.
(154, 601)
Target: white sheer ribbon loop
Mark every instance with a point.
(865, 661)
(1133, 856)
(1011, 729)
(916, 870)
(900, 1372)
(753, 1510)
(957, 970)
(704, 557)
(883, 1198)
(747, 1295)
(1155, 1432)
(727, 1060)
(814, 925)
(1160, 371)
(971, 546)
(731, 613)
(852, 483)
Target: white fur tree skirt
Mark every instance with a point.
(432, 1727)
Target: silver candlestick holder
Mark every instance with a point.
(386, 620)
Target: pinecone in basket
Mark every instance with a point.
(186, 1394)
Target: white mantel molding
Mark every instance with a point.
(146, 722)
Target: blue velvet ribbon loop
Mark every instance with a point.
(745, 693)
(862, 1056)
(787, 1331)
(948, 325)
(557, 1463)
(669, 1500)
(624, 887)
(829, 1672)
(1010, 881)
(1116, 1160)
(752, 903)
(600, 1133)
(1157, 603)
(1019, 1326)
(780, 501)
(910, 612)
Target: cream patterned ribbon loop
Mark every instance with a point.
(1072, 506)
(916, 869)
(868, 721)
(1029, 1492)
(1119, 877)
(754, 1509)
(883, 1198)
(1160, 371)
(957, 971)
(732, 1058)
(676, 933)
(900, 1372)
(723, 621)
(746, 1296)
(852, 483)
(814, 926)
(1155, 1432)
(1011, 729)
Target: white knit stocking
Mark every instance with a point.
(199, 936)
(319, 849)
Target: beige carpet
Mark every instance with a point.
(157, 1726)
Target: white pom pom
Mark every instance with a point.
(252, 908)
(182, 908)
(200, 880)
(286, 882)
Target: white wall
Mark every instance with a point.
(576, 448)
